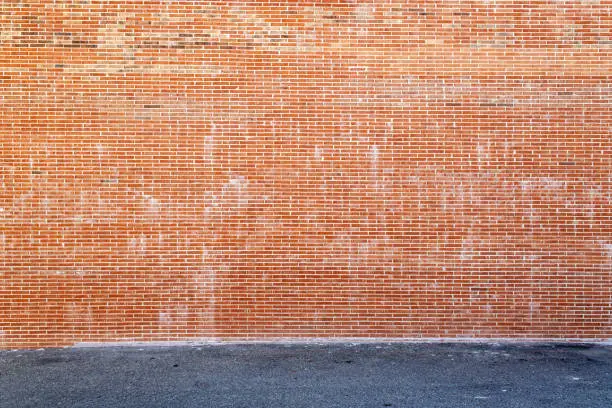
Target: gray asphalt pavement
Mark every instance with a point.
(326, 375)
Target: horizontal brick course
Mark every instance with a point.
(265, 169)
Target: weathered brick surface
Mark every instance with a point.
(182, 169)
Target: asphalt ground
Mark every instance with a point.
(310, 375)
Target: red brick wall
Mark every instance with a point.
(183, 169)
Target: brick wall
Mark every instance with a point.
(173, 170)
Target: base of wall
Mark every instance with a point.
(337, 340)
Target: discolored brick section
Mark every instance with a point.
(265, 169)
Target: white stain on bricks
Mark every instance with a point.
(173, 315)
(468, 246)
(138, 245)
(534, 308)
(152, 205)
(363, 12)
(541, 185)
(164, 318)
(374, 155)
(235, 191)
(594, 194)
(205, 280)
(318, 153)
(209, 145)
(482, 155)
(607, 247)
(79, 314)
(547, 183)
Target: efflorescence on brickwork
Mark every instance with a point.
(173, 170)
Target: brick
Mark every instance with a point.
(266, 169)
